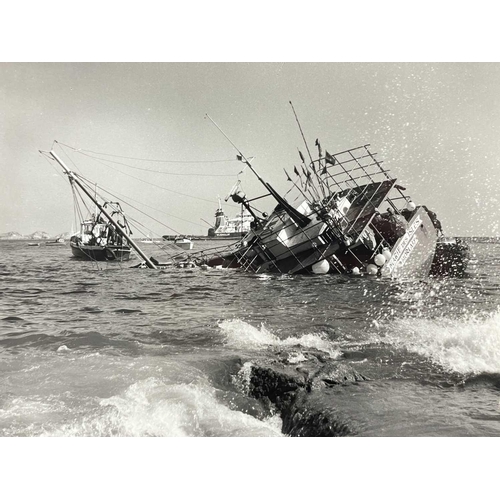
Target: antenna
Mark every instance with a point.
(320, 181)
(241, 156)
(302, 133)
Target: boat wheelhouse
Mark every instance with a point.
(98, 238)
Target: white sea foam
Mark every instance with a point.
(469, 345)
(242, 335)
(119, 396)
(153, 408)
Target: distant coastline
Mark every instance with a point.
(42, 235)
(37, 235)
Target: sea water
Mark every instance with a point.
(104, 349)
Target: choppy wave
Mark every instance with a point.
(470, 345)
(152, 407)
(111, 351)
(73, 393)
(242, 335)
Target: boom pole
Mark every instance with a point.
(75, 179)
(296, 216)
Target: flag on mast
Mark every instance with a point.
(329, 158)
(320, 152)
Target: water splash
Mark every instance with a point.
(96, 394)
(242, 335)
(469, 345)
(152, 407)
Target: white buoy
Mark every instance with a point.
(386, 253)
(371, 269)
(355, 271)
(321, 267)
(411, 206)
(379, 260)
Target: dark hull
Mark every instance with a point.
(111, 252)
(451, 259)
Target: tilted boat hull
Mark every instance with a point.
(413, 253)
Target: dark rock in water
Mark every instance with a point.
(483, 379)
(291, 391)
(451, 258)
(305, 418)
(275, 385)
(335, 373)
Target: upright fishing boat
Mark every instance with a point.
(106, 234)
(98, 238)
(351, 216)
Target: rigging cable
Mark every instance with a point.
(76, 205)
(137, 223)
(69, 157)
(146, 159)
(154, 171)
(151, 184)
(100, 160)
(117, 195)
(123, 201)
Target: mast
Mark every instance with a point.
(75, 179)
(300, 219)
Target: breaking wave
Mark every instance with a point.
(469, 346)
(153, 408)
(242, 335)
(106, 395)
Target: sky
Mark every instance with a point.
(435, 125)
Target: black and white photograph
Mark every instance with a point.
(244, 248)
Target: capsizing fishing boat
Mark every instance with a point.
(351, 217)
